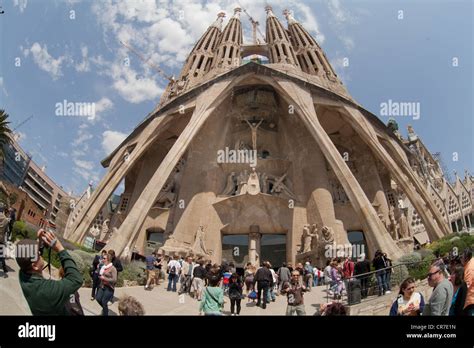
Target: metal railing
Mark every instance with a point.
(372, 287)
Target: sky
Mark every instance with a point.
(417, 51)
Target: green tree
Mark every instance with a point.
(5, 131)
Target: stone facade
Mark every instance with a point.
(247, 162)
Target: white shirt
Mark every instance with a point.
(274, 275)
(176, 264)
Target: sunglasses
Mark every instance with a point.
(429, 275)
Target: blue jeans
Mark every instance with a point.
(315, 281)
(172, 278)
(388, 277)
(270, 294)
(381, 282)
(103, 296)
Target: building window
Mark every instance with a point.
(124, 204)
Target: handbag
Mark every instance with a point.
(253, 295)
(212, 296)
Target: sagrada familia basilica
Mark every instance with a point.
(257, 151)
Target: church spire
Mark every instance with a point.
(228, 49)
(278, 41)
(199, 61)
(311, 57)
(201, 57)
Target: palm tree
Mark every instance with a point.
(5, 131)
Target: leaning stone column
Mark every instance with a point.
(112, 179)
(417, 195)
(205, 105)
(375, 232)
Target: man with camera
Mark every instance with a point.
(46, 296)
(3, 236)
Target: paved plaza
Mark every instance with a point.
(156, 302)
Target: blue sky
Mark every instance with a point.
(50, 54)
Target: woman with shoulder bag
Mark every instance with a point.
(409, 302)
(108, 279)
(235, 293)
(212, 297)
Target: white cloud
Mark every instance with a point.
(111, 140)
(83, 66)
(340, 17)
(165, 31)
(83, 167)
(81, 138)
(339, 64)
(87, 165)
(304, 15)
(338, 13)
(101, 106)
(2, 86)
(133, 87)
(87, 175)
(21, 4)
(45, 61)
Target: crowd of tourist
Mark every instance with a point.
(452, 281)
(7, 219)
(214, 285)
(210, 283)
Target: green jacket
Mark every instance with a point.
(47, 296)
(210, 295)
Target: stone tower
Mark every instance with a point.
(227, 55)
(245, 161)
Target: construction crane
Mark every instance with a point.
(255, 28)
(22, 123)
(153, 66)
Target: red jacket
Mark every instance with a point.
(348, 269)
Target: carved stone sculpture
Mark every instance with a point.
(242, 182)
(327, 235)
(315, 242)
(280, 189)
(230, 186)
(199, 247)
(166, 197)
(95, 231)
(105, 228)
(254, 127)
(392, 227)
(264, 183)
(307, 238)
(404, 227)
(253, 184)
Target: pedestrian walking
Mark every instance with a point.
(294, 294)
(235, 293)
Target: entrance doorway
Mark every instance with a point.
(359, 244)
(154, 240)
(273, 249)
(235, 248)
